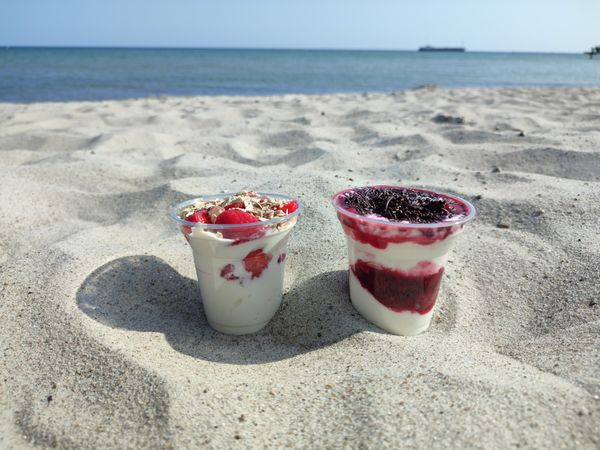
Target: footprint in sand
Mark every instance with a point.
(291, 148)
(44, 141)
(459, 136)
(554, 162)
(524, 216)
(412, 140)
(289, 139)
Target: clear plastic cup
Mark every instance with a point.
(240, 270)
(396, 268)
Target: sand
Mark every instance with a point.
(103, 341)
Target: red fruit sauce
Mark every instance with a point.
(415, 290)
(380, 235)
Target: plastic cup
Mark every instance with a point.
(240, 272)
(396, 268)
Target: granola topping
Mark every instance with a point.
(261, 207)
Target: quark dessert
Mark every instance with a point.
(239, 247)
(398, 242)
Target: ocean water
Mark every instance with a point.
(63, 74)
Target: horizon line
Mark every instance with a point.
(150, 47)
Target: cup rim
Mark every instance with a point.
(463, 220)
(173, 210)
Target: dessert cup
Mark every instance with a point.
(240, 267)
(395, 268)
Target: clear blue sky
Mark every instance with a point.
(512, 25)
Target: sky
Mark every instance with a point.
(487, 25)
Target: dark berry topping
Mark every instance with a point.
(400, 204)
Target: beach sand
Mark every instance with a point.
(103, 341)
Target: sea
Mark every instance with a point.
(71, 74)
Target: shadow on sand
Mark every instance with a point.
(143, 293)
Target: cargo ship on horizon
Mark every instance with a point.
(429, 48)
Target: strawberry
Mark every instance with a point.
(227, 272)
(200, 216)
(239, 234)
(289, 207)
(256, 262)
(231, 216)
(238, 205)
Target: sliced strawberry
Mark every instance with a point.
(200, 216)
(256, 262)
(238, 205)
(235, 216)
(289, 207)
(227, 272)
(238, 217)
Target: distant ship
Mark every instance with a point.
(593, 51)
(429, 48)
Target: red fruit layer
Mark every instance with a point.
(380, 235)
(256, 262)
(415, 290)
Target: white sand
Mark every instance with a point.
(103, 342)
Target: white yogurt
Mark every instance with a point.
(403, 256)
(237, 300)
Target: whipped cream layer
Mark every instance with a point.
(402, 256)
